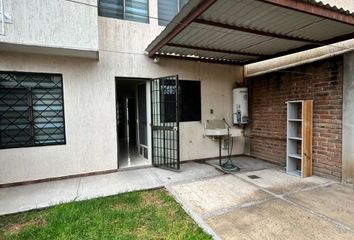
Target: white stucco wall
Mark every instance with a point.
(90, 112)
(52, 23)
(89, 96)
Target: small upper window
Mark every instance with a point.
(167, 9)
(31, 109)
(134, 10)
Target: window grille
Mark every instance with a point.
(189, 101)
(31, 109)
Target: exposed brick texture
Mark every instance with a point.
(322, 82)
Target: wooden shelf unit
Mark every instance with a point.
(299, 138)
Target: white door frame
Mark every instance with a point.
(148, 118)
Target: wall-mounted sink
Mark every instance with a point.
(215, 128)
(215, 132)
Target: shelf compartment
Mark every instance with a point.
(296, 173)
(294, 129)
(295, 109)
(293, 166)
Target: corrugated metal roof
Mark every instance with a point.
(229, 28)
(329, 6)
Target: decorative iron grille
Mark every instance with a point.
(165, 123)
(31, 109)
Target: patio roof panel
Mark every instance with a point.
(266, 28)
(274, 46)
(214, 37)
(272, 19)
(225, 40)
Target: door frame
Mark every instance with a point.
(148, 113)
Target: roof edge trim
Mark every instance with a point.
(198, 59)
(313, 9)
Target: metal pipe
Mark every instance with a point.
(2, 30)
(220, 150)
(298, 59)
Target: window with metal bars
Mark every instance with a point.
(167, 9)
(134, 10)
(31, 109)
(189, 101)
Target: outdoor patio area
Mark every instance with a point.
(259, 202)
(269, 204)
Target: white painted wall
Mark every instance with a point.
(52, 23)
(89, 96)
(89, 89)
(90, 112)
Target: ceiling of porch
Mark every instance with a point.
(246, 31)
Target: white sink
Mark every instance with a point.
(215, 131)
(215, 128)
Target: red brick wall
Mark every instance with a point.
(321, 82)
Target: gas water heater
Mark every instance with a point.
(240, 106)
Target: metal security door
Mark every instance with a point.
(165, 122)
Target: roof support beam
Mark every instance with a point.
(252, 31)
(312, 9)
(198, 59)
(215, 50)
(203, 6)
(306, 47)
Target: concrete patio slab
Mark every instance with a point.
(275, 219)
(211, 196)
(126, 181)
(278, 182)
(40, 195)
(23, 198)
(246, 164)
(335, 201)
(228, 206)
(273, 206)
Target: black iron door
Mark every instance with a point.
(165, 122)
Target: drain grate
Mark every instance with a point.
(253, 177)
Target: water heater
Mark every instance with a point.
(240, 106)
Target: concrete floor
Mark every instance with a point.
(274, 205)
(23, 198)
(130, 158)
